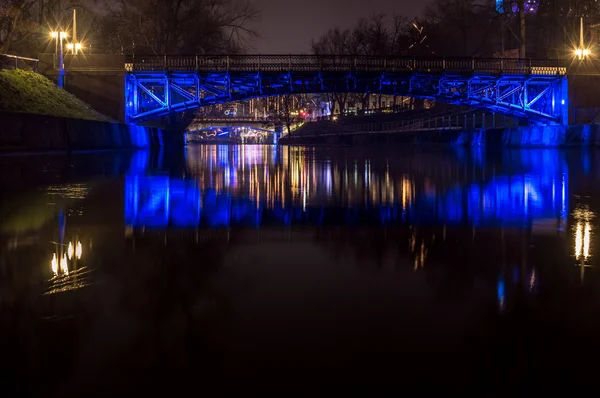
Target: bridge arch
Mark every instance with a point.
(157, 86)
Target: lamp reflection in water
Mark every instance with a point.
(66, 270)
(78, 250)
(70, 250)
(54, 264)
(583, 234)
(501, 293)
(63, 265)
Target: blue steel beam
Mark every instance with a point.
(498, 85)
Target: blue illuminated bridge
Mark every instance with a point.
(157, 86)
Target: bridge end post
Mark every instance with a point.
(564, 101)
(131, 99)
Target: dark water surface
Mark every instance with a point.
(244, 268)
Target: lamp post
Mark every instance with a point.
(581, 52)
(59, 36)
(75, 47)
(74, 50)
(523, 37)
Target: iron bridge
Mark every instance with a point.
(158, 86)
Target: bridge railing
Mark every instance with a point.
(338, 63)
(439, 123)
(16, 62)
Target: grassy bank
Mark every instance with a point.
(28, 92)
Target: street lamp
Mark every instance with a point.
(581, 52)
(75, 48)
(59, 37)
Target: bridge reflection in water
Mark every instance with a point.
(264, 185)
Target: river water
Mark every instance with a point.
(246, 267)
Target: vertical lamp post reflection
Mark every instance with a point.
(63, 265)
(54, 264)
(583, 235)
(59, 37)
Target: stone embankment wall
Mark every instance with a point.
(517, 137)
(31, 132)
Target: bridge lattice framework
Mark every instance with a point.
(157, 86)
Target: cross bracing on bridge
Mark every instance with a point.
(157, 86)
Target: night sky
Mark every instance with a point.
(287, 26)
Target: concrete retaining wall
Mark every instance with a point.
(96, 79)
(27, 132)
(517, 137)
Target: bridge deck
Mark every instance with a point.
(161, 85)
(339, 63)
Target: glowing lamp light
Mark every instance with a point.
(63, 265)
(78, 250)
(70, 250)
(54, 264)
(582, 53)
(54, 35)
(74, 47)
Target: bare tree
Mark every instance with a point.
(25, 24)
(372, 36)
(181, 26)
(285, 115)
(15, 21)
(459, 27)
(337, 42)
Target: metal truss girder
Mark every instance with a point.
(513, 94)
(149, 114)
(508, 93)
(213, 90)
(485, 88)
(182, 91)
(540, 95)
(450, 84)
(151, 95)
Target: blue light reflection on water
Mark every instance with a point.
(251, 186)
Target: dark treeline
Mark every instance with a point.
(470, 28)
(446, 27)
(126, 26)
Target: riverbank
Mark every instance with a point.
(514, 137)
(37, 115)
(31, 93)
(23, 132)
